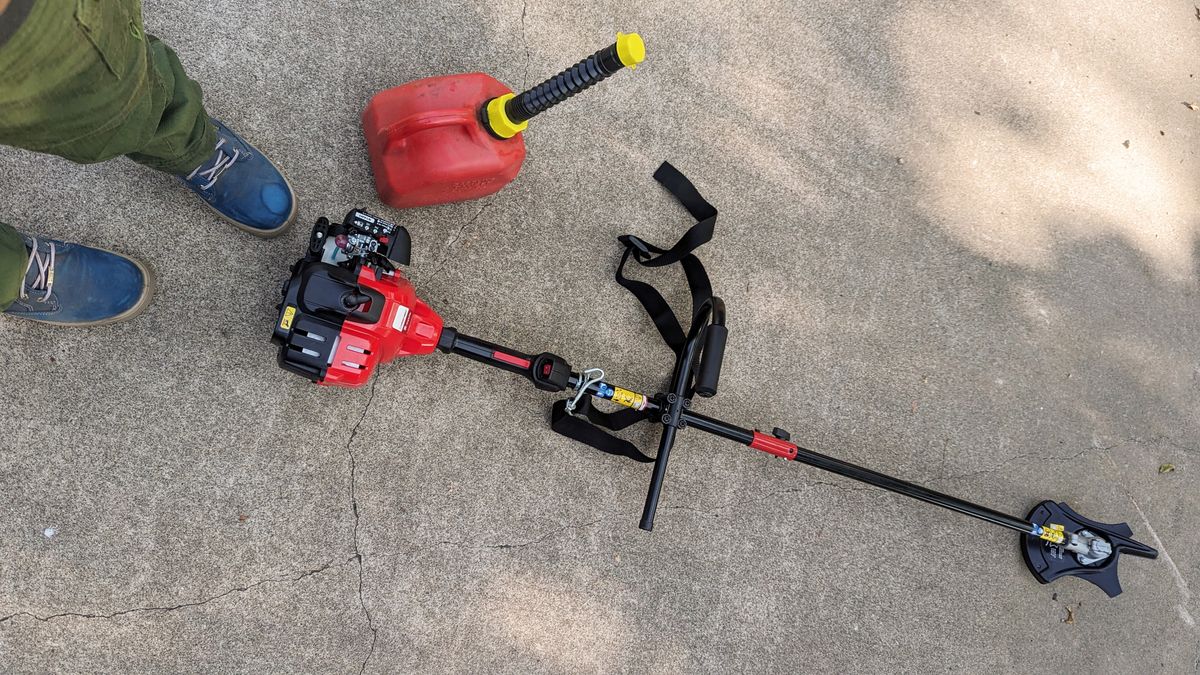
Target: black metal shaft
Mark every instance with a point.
(674, 412)
(564, 85)
(675, 406)
(865, 475)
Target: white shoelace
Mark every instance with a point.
(45, 277)
(213, 173)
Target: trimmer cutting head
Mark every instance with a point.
(1090, 553)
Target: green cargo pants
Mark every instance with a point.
(81, 79)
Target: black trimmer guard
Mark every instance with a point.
(1048, 561)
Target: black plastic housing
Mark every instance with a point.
(550, 372)
(1048, 561)
(311, 317)
(321, 296)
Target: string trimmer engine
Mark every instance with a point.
(347, 307)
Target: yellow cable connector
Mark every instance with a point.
(498, 118)
(1053, 533)
(630, 49)
(629, 399)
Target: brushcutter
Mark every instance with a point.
(348, 308)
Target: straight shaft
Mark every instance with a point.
(861, 474)
(518, 362)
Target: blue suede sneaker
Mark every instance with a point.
(242, 185)
(74, 285)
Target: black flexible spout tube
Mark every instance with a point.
(564, 85)
(506, 116)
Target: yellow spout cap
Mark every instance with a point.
(630, 49)
(499, 121)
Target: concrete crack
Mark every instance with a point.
(1156, 440)
(525, 75)
(184, 605)
(548, 535)
(1167, 440)
(1033, 456)
(544, 537)
(357, 558)
(712, 511)
(1185, 593)
(454, 240)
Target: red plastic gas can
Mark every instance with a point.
(428, 146)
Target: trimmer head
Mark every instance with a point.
(1049, 561)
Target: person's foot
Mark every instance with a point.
(75, 285)
(242, 185)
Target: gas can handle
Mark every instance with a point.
(391, 134)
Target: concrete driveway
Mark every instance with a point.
(958, 242)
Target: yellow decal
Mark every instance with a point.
(1053, 534)
(629, 399)
(288, 315)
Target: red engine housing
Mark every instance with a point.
(407, 327)
(428, 145)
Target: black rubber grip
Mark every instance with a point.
(550, 372)
(710, 360)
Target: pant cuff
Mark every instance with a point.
(194, 155)
(13, 259)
